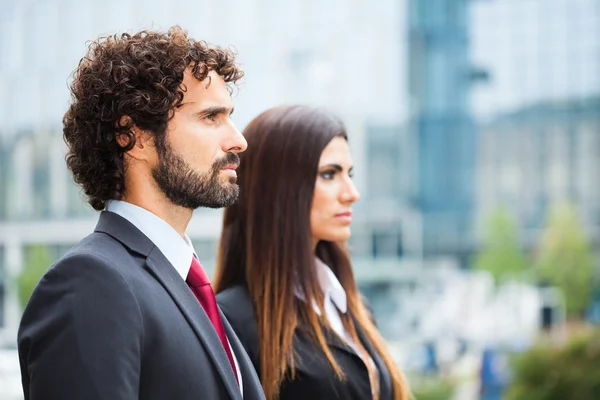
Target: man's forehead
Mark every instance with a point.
(212, 76)
(210, 92)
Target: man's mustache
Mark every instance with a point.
(228, 159)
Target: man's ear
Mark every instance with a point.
(135, 141)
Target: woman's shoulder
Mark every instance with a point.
(236, 304)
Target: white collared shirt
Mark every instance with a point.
(334, 302)
(179, 251)
(334, 298)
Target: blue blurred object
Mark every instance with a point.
(594, 310)
(494, 374)
(431, 364)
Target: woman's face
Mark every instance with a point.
(331, 213)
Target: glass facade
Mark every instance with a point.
(3, 282)
(535, 51)
(538, 115)
(439, 84)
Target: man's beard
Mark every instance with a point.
(190, 189)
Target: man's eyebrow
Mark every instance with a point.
(211, 110)
(215, 110)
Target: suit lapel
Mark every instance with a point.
(131, 237)
(195, 315)
(252, 387)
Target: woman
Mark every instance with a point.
(284, 279)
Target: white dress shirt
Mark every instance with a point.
(179, 251)
(334, 303)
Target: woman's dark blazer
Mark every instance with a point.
(314, 379)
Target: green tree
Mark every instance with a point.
(565, 259)
(431, 387)
(501, 255)
(547, 372)
(37, 261)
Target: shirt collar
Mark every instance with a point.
(179, 251)
(331, 286)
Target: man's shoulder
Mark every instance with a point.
(99, 244)
(94, 266)
(96, 249)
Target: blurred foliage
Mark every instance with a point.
(37, 262)
(546, 372)
(565, 259)
(431, 388)
(501, 255)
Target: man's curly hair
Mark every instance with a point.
(136, 76)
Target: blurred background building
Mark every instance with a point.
(453, 107)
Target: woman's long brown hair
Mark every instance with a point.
(266, 242)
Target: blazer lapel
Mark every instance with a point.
(195, 315)
(252, 387)
(333, 340)
(385, 383)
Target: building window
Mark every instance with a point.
(41, 186)
(3, 279)
(384, 155)
(387, 243)
(4, 159)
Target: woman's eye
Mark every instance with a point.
(327, 175)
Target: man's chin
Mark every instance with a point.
(229, 195)
(229, 180)
(222, 203)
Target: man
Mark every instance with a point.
(128, 313)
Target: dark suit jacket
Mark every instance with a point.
(315, 379)
(113, 320)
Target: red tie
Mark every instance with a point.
(200, 285)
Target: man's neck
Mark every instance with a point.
(176, 216)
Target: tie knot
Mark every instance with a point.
(196, 275)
